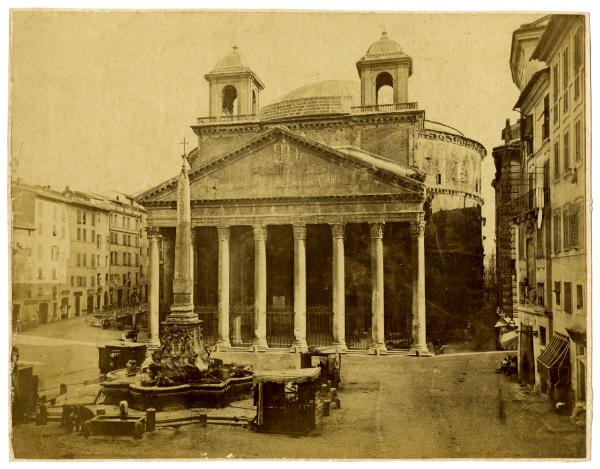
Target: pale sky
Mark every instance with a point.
(101, 100)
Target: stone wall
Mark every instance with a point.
(457, 162)
(506, 159)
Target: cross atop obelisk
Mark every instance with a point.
(184, 155)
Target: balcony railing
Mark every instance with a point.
(227, 119)
(531, 200)
(385, 108)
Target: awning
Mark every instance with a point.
(501, 323)
(509, 339)
(299, 375)
(555, 352)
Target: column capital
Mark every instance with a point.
(337, 230)
(223, 232)
(153, 232)
(299, 230)
(417, 229)
(376, 229)
(260, 232)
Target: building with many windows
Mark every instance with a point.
(88, 226)
(562, 49)
(127, 279)
(549, 209)
(40, 255)
(62, 251)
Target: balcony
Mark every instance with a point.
(385, 108)
(216, 120)
(530, 201)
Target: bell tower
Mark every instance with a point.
(384, 65)
(234, 89)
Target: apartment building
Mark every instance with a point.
(549, 211)
(562, 49)
(128, 283)
(74, 253)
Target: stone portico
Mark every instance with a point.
(313, 217)
(322, 197)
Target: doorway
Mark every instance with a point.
(43, 313)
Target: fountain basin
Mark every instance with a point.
(204, 393)
(115, 426)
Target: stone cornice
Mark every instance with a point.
(453, 138)
(457, 193)
(404, 197)
(311, 121)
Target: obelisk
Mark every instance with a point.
(181, 340)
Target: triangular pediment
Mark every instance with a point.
(283, 164)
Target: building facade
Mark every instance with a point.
(127, 275)
(549, 211)
(40, 256)
(330, 217)
(562, 49)
(61, 254)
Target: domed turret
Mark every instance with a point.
(232, 61)
(233, 87)
(384, 45)
(384, 64)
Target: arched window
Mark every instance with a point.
(384, 88)
(230, 101)
(253, 102)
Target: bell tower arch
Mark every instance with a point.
(234, 89)
(384, 71)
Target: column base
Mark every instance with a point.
(378, 349)
(340, 346)
(299, 346)
(260, 345)
(222, 345)
(419, 351)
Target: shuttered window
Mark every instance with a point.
(568, 303)
(557, 232)
(566, 161)
(574, 227)
(566, 227)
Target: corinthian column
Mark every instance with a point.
(419, 332)
(377, 287)
(260, 287)
(153, 341)
(223, 284)
(300, 288)
(339, 288)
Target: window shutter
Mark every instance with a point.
(566, 240)
(574, 228)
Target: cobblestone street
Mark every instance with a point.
(450, 406)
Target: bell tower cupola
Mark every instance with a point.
(384, 71)
(234, 89)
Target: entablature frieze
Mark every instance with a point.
(231, 219)
(432, 134)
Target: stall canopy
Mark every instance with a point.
(501, 323)
(301, 375)
(555, 352)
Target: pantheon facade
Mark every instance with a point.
(336, 216)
